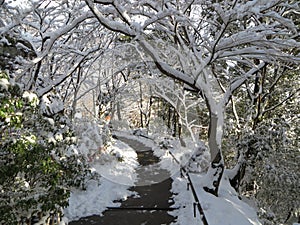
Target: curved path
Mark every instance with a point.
(153, 188)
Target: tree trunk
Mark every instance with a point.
(169, 116)
(237, 174)
(174, 123)
(119, 111)
(149, 112)
(216, 169)
(141, 105)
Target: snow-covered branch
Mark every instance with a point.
(240, 81)
(53, 36)
(110, 24)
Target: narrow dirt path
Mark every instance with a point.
(153, 191)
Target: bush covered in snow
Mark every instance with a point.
(37, 169)
(272, 174)
(93, 137)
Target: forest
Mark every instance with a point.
(222, 74)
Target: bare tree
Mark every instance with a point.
(65, 41)
(214, 47)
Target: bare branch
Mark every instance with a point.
(281, 103)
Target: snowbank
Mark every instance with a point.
(227, 209)
(116, 165)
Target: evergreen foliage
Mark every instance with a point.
(38, 168)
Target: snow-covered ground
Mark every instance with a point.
(184, 200)
(95, 199)
(117, 163)
(117, 166)
(227, 209)
(162, 147)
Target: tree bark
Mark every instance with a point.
(237, 173)
(119, 111)
(216, 169)
(141, 105)
(149, 112)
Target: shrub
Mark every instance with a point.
(38, 163)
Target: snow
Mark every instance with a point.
(95, 199)
(117, 166)
(225, 209)
(116, 26)
(183, 154)
(117, 177)
(31, 97)
(21, 5)
(184, 200)
(51, 105)
(4, 84)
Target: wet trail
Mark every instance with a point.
(153, 200)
